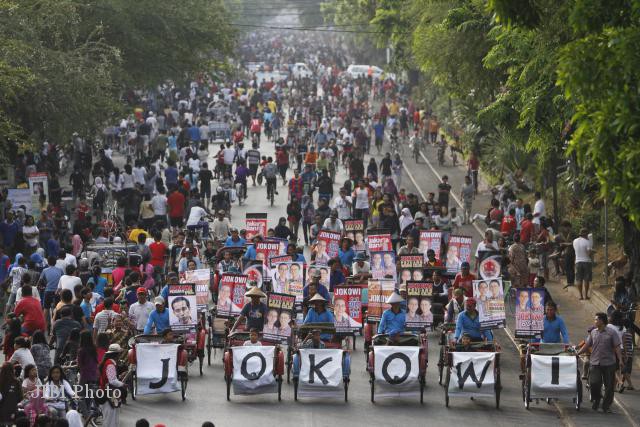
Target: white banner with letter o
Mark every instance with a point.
(156, 368)
(396, 370)
(320, 372)
(253, 370)
(472, 374)
(553, 376)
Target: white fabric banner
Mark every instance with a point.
(320, 372)
(396, 371)
(253, 370)
(553, 376)
(157, 368)
(472, 374)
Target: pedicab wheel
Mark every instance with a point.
(201, 361)
(295, 389)
(228, 381)
(526, 394)
(346, 390)
(578, 400)
(440, 365)
(498, 389)
(288, 370)
(209, 349)
(373, 391)
(133, 385)
(446, 388)
(279, 388)
(183, 386)
(422, 386)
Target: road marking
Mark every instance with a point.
(415, 184)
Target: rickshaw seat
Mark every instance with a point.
(407, 340)
(551, 349)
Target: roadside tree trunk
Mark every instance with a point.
(631, 244)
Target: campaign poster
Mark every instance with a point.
(489, 295)
(277, 328)
(379, 291)
(458, 251)
(327, 245)
(266, 250)
(383, 265)
(490, 264)
(378, 241)
(256, 223)
(419, 314)
(39, 190)
(202, 279)
(411, 268)
(347, 308)
(529, 312)
(354, 230)
(430, 240)
(288, 278)
(231, 294)
(278, 259)
(253, 370)
(157, 368)
(324, 274)
(183, 309)
(20, 197)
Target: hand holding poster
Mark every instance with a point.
(379, 291)
(183, 313)
(490, 264)
(328, 243)
(288, 278)
(489, 295)
(430, 240)
(202, 279)
(276, 326)
(156, 368)
(411, 268)
(256, 223)
(419, 315)
(459, 251)
(379, 241)
(231, 294)
(529, 321)
(347, 308)
(383, 265)
(354, 230)
(39, 189)
(268, 249)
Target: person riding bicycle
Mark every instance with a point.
(198, 219)
(416, 142)
(255, 129)
(242, 173)
(270, 172)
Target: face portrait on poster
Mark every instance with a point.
(183, 309)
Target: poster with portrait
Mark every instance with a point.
(411, 268)
(202, 279)
(489, 264)
(347, 308)
(354, 230)
(269, 249)
(489, 295)
(39, 190)
(277, 325)
(183, 308)
(20, 197)
(324, 274)
(458, 251)
(327, 245)
(255, 223)
(430, 239)
(529, 312)
(379, 291)
(288, 278)
(379, 241)
(254, 270)
(278, 259)
(231, 294)
(383, 265)
(419, 314)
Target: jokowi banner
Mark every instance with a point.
(472, 374)
(253, 370)
(156, 368)
(320, 373)
(396, 371)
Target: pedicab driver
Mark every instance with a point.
(255, 312)
(393, 319)
(319, 313)
(469, 322)
(555, 331)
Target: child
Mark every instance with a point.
(534, 265)
(253, 338)
(31, 381)
(456, 220)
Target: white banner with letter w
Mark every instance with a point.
(472, 374)
(253, 370)
(397, 369)
(157, 368)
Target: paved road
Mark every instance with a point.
(206, 399)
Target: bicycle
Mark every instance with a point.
(440, 156)
(242, 193)
(396, 146)
(271, 189)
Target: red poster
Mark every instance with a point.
(430, 240)
(379, 291)
(256, 224)
(459, 251)
(327, 246)
(379, 242)
(231, 294)
(347, 308)
(266, 250)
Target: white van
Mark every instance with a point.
(301, 71)
(355, 71)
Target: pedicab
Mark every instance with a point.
(222, 316)
(550, 371)
(446, 336)
(397, 365)
(252, 369)
(161, 367)
(319, 369)
(475, 371)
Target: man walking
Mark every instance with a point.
(583, 248)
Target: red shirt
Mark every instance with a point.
(158, 251)
(464, 282)
(282, 158)
(32, 311)
(176, 204)
(526, 231)
(508, 225)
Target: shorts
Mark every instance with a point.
(583, 271)
(50, 298)
(253, 169)
(176, 221)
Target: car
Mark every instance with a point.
(355, 71)
(299, 70)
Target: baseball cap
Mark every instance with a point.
(158, 300)
(141, 290)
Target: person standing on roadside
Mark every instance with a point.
(605, 354)
(467, 193)
(583, 248)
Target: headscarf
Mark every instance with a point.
(405, 219)
(74, 419)
(37, 259)
(76, 242)
(390, 187)
(98, 183)
(15, 262)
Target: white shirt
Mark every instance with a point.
(30, 230)
(159, 204)
(69, 282)
(23, 356)
(538, 211)
(362, 198)
(582, 248)
(194, 164)
(483, 246)
(69, 259)
(195, 215)
(328, 225)
(340, 204)
(229, 154)
(139, 313)
(34, 294)
(138, 175)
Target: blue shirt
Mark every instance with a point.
(171, 175)
(164, 292)
(52, 276)
(160, 320)
(465, 324)
(9, 232)
(194, 133)
(4, 267)
(553, 329)
(322, 290)
(86, 309)
(379, 130)
(336, 278)
(392, 323)
(299, 258)
(230, 243)
(250, 253)
(346, 258)
(53, 247)
(99, 286)
(315, 317)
